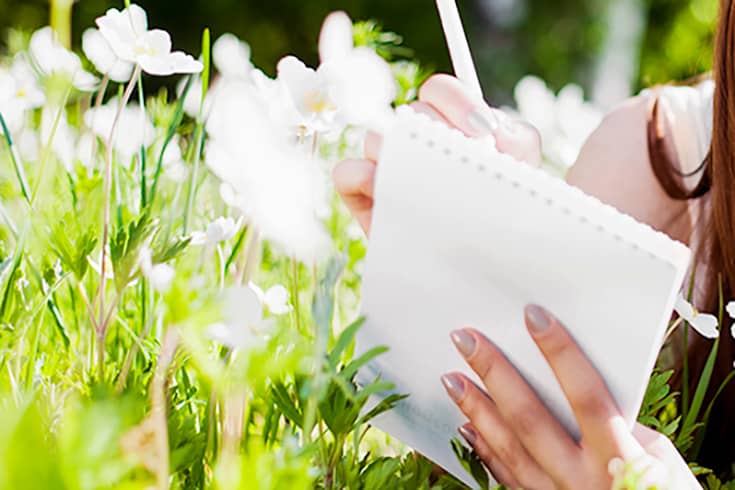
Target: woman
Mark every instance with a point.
(667, 158)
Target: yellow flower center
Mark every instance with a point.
(318, 102)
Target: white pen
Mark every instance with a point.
(459, 48)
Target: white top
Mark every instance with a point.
(689, 112)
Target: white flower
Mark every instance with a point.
(24, 89)
(52, 59)
(135, 129)
(310, 94)
(361, 83)
(99, 52)
(730, 308)
(231, 57)
(565, 121)
(219, 230)
(127, 33)
(706, 325)
(19, 93)
(243, 324)
(275, 183)
(159, 275)
(276, 298)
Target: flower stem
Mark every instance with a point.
(295, 293)
(17, 162)
(106, 217)
(199, 132)
(158, 405)
(61, 20)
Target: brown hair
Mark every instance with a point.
(716, 251)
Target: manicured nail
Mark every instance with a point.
(454, 386)
(483, 122)
(539, 320)
(464, 342)
(469, 434)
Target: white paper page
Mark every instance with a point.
(464, 237)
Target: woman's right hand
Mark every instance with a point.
(446, 99)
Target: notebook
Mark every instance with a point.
(465, 236)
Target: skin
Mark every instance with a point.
(515, 435)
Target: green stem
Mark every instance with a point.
(295, 293)
(61, 20)
(16, 160)
(106, 218)
(199, 132)
(143, 183)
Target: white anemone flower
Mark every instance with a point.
(565, 121)
(706, 325)
(274, 182)
(219, 230)
(25, 91)
(135, 129)
(361, 83)
(159, 275)
(310, 93)
(127, 33)
(52, 59)
(99, 52)
(275, 298)
(730, 308)
(243, 323)
(231, 57)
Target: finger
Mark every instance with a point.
(466, 112)
(503, 442)
(428, 109)
(539, 432)
(600, 421)
(520, 140)
(500, 472)
(373, 145)
(354, 180)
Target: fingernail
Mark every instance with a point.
(464, 342)
(469, 434)
(483, 122)
(538, 319)
(454, 386)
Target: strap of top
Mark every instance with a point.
(689, 113)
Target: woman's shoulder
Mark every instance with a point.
(614, 164)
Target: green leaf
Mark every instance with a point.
(343, 341)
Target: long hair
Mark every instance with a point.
(716, 251)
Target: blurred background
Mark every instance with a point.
(611, 47)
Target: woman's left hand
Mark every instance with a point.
(524, 446)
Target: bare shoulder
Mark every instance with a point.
(614, 166)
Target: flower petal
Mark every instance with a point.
(730, 308)
(705, 325)
(335, 40)
(156, 42)
(231, 56)
(276, 299)
(683, 308)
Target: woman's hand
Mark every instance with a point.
(524, 446)
(445, 99)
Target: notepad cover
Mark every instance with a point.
(463, 236)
